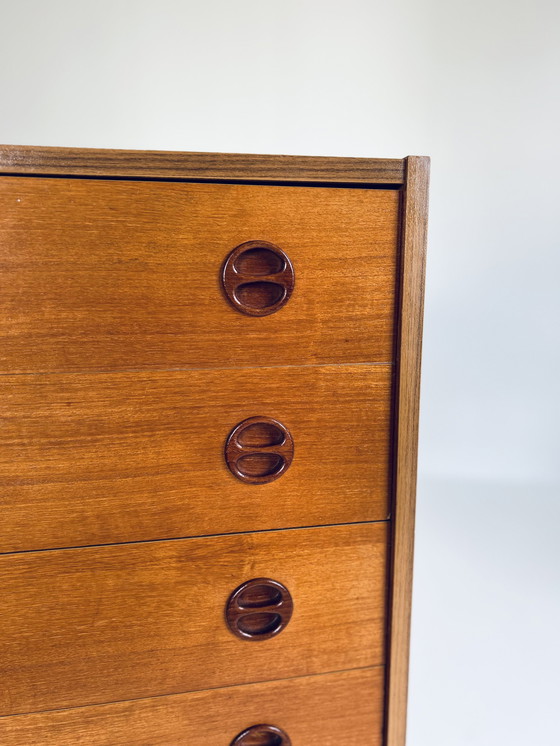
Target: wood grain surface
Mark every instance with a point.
(115, 275)
(20, 159)
(95, 625)
(340, 709)
(414, 238)
(104, 458)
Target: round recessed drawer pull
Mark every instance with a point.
(259, 609)
(259, 450)
(258, 278)
(262, 735)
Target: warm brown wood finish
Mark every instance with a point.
(94, 625)
(129, 351)
(259, 609)
(263, 735)
(258, 278)
(106, 275)
(414, 237)
(259, 450)
(341, 709)
(103, 458)
(41, 161)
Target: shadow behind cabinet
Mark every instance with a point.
(210, 379)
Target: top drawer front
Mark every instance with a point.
(107, 275)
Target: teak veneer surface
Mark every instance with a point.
(159, 164)
(302, 707)
(113, 275)
(106, 458)
(405, 415)
(105, 273)
(95, 625)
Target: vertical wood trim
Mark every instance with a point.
(413, 259)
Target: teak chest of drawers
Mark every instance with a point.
(209, 406)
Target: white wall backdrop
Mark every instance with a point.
(475, 85)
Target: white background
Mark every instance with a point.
(475, 85)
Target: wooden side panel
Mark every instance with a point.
(415, 215)
(113, 275)
(302, 707)
(95, 625)
(106, 458)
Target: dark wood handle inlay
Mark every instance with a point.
(259, 450)
(259, 609)
(262, 735)
(258, 278)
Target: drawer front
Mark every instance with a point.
(94, 625)
(302, 708)
(99, 459)
(109, 275)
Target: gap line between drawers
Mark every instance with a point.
(195, 691)
(197, 536)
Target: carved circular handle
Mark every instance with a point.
(259, 450)
(258, 278)
(259, 609)
(262, 735)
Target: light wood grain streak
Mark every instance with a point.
(179, 370)
(15, 159)
(302, 707)
(97, 625)
(100, 275)
(414, 235)
(109, 458)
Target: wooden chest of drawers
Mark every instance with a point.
(210, 373)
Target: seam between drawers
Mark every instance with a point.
(197, 536)
(381, 666)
